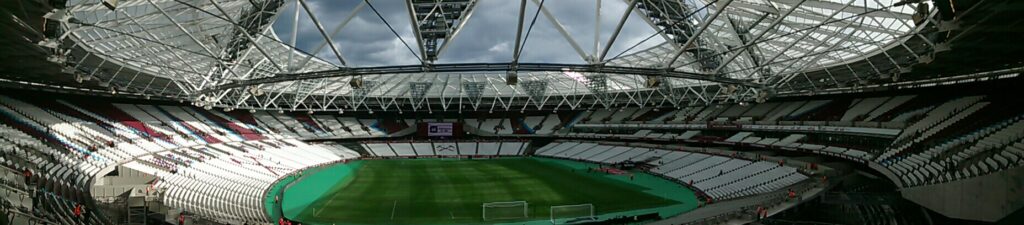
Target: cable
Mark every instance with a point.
(393, 30)
(534, 21)
(673, 24)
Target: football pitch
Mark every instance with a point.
(449, 191)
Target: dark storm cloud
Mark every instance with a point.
(489, 36)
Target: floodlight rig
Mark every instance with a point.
(511, 78)
(110, 4)
(764, 94)
(60, 55)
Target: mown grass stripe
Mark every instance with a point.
(432, 191)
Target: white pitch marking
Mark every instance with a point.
(393, 209)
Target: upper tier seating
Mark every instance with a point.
(445, 148)
(859, 110)
(937, 119)
(515, 125)
(983, 151)
(861, 107)
(889, 105)
(550, 124)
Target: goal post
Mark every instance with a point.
(565, 214)
(505, 210)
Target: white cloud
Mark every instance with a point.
(499, 48)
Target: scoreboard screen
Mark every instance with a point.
(440, 129)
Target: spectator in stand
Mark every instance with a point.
(758, 213)
(78, 212)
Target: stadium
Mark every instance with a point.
(696, 112)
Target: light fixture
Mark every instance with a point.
(511, 78)
(110, 4)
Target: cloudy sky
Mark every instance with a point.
(489, 36)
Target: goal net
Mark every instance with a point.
(567, 214)
(505, 210)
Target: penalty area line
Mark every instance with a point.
(393, 206)
(333, 197)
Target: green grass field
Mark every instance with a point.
(438, 191)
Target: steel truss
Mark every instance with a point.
(362, 99)
(222, 53)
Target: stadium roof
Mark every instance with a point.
(305, 55)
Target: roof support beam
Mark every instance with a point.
(519, 32)
(194, 39)
(872, 12)
(154, 37)
(760, 35)
(703, 27)
(295, 34)
(249, 36)
(337, 29)
(799, 40)
(415, 23)
(615, 34)
(462, 23)
(597, 29)
(320, 27)
(565, 34)
(479, 68)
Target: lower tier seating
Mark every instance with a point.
(720, 177)
(228, 182)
